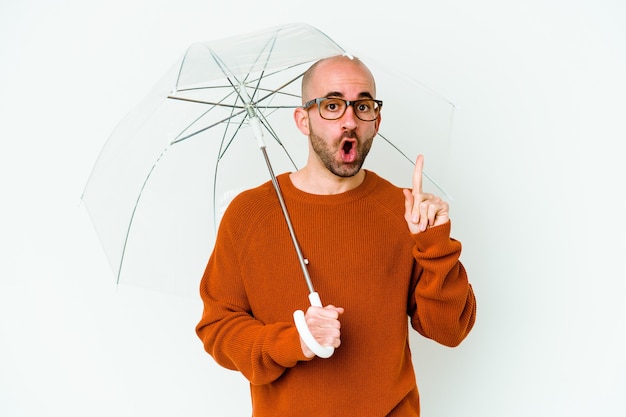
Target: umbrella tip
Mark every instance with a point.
(348, 55)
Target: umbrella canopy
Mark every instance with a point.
(168, 171)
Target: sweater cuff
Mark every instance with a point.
(433, 237)
(287, 350)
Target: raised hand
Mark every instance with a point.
(423, 210)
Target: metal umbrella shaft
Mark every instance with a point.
(301, 259)
(255, 123)
(314, 298)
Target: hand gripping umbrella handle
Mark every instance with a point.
(305, 333)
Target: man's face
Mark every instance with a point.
(340, 145)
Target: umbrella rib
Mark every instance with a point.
(223, 67)
(212, 103)
(219, 158)
(226, 119)
(132, 216)
(217, 104)
(270, 91)
(265, 75)
(270, 45)
(273, 92)
(212, 87)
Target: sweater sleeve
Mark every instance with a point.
(229, 331)
(445, 308)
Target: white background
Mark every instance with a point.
(539, 206)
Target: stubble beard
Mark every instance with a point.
(328, 156)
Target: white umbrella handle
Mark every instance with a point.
(305, 333)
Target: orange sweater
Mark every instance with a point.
(362, 258)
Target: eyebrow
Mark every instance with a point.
(364, 94)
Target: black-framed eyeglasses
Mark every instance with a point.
(333, 108)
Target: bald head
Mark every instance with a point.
(314, 77)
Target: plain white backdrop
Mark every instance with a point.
(537, 169)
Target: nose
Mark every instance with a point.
(349, 120)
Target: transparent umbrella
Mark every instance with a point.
(211, 128)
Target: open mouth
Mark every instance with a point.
(348, 150)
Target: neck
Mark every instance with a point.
(324, 182)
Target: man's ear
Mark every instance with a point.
(301, 117)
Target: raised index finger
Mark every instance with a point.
(417, 174)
